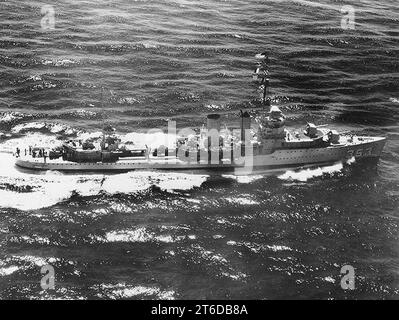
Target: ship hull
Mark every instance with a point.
(287, 158)
(361, 149)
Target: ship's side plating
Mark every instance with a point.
(278, 159)
(271, 147)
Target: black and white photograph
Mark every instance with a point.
(212, 151)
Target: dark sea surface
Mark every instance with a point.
(154, 235)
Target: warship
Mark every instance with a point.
(265, 143)
(260, 142)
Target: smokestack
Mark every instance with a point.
(213, 122)
(213, 126)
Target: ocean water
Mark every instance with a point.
(156, 235)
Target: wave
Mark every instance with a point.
(140, 234)
(59, 62)
(24, 191)
(304, 175)
(124, 291)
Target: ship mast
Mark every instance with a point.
(261, 74)
(265, 98)
(103, 119)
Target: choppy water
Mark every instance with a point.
(168, 235)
